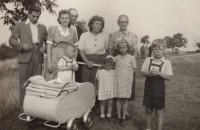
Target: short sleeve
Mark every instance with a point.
(133, 62)
(81, 43)
(51, 33)
(145, 65)
(111, 42)
(61, 62)
(168, 68)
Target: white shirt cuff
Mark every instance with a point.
(50, 42)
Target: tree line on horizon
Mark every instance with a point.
(171, 42)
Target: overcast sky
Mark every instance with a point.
(157, 18)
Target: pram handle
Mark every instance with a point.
(25, 119)
(26, 83)
(53, 126)
(96, 65)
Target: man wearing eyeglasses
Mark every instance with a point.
(123, 33)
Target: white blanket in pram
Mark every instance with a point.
(38, 86)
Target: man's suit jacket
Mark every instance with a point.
(21, 34)
(79, 31)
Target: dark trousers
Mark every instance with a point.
(78, 72)
(26, 70)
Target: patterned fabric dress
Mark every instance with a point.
(123, 77)
(55, 36)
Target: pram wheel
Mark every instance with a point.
(73, 124)
(89, 120)
(32, 124)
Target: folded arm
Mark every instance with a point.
(13, 40)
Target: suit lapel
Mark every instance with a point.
(27, 29)
(39, 32)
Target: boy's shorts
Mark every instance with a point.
(154, 102)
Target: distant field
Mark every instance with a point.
(182, 98)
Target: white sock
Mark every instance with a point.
(102, 116)
(148, 129)
(108, 115)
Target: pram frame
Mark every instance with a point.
(73, 122)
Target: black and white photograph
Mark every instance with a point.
(99, 65)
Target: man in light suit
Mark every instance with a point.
(28, 37)
(73, 17)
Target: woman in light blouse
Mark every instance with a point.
(58, 37)
(92, 48)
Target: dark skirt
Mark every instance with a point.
(132, 98)
(89, 74)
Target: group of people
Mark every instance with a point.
(65, 44)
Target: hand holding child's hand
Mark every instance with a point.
(155, 72)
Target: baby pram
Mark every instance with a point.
(63, 104)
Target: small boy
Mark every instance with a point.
(156, 70)
(67, 65)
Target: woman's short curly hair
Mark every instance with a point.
(96, 18)
(63, 12)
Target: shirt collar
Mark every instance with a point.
(73, 25)
(62, 32)
(93, 34)
(120, 32)
(162, 59)
(29, 22)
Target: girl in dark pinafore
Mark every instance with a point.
(156, 69)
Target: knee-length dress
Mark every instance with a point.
(105, 84)
(123, 78)
(55, 36)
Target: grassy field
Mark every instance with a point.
(182, 98)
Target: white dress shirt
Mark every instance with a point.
(34, 30)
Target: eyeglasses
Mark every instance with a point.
(123, 22)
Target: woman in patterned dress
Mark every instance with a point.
(58, 38)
